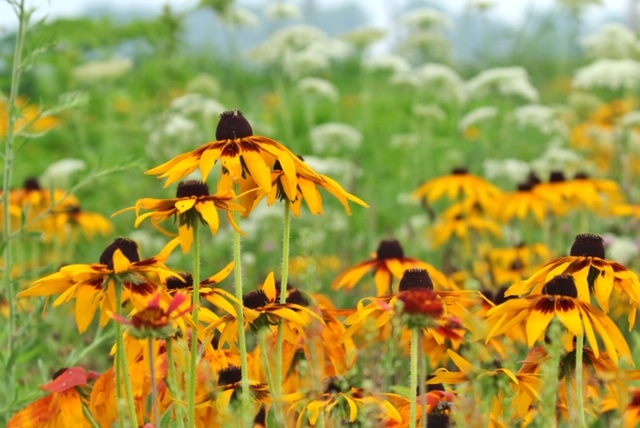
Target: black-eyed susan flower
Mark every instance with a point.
(339, 398)
(458, 185)
(70, 222)
(388, 262)
(596, 194)
(155, 320)
(592, 273)
(559, 299)
(262, 310)
(244, 158)
(526, 201)
(192, 203)
(632, 412)
(30, 118)
(462, 227)
(438, 403)
(93, 285)
(228, 390)
(308, 188)
(63, 406)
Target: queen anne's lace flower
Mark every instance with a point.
(614, 74)
(612, 41)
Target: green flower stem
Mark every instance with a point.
(262, 334)
(242, 338)
(9, 159)
(193, 361)
(548, 397)
(173, 384)
(423, 386)
(118, 364)
(413, 372)
(579, 392)
(284, 278)
(154, 386)
(89, 416)
(121, 355)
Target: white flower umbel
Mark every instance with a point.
(474, 117)
(613, 41)
(389, 63)
(504, 81)
(239, 17)
(559, 158)
(280, 11)
(204, 84)
(59, 173)
(96, 71)
(335, 138)
(422, 44)
(404, 141)
(319, 88)
(613, 74)
(363, 37)
(578, 6)
(340, 169)
(448, 83)
(429, 112)
(284, 42)
(170, 134)
(426, 19)
(192, 104)
(544, 119)
(514, 170)
(630, 119)
(481, 5)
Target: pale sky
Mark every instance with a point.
(512, 10)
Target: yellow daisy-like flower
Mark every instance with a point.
(592, 274)
(70, 222)
(191, 204)
(559, 299)
(244, 158)
(462, 227)
(339, 397)
(525, 201)
(30, 119)
(307, 189)
(93, 285)
(228, 389)
(388, 262)
(456, 185)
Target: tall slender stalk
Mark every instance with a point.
(284, 279)
(548, 397)
(118, 364)
(423, 387)
(9, 159)
(580, 420)
(415, 338)
(267, 368)
(173, 384)
(242, 339)
(121, 356)
(193, 361)
(154, 386)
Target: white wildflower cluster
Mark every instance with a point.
(363, 37)
(239, 17)
(504, 81)
(204, 84)
(426, 19)
(335, 138)
(613, 74)
(613, 41)
(476, 116)
(514, 170)
(59, 173)
(319, 88)
(481, 5)
(389, 63)
(559, 158)
(182, 126)
(426, 45)
(97, 71)
(301, 50)
(404, 141)
(630, 119)
(429, 112)
(543, 118)
(621, 249)
(280, 11)
(436, 79)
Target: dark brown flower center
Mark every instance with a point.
(556, 177)
(533, 179)
(561, 285)
(336, 384)
(261, 418)
(413, 279)
(459, 171)
(517, 264)
(255, 299)
(581, 176)
(190, 188)
(175, 283)
(59, 373)
(525, 187)
(500, 298)
(229, 375)
(389, 249)
(32, 183)
(129, 248)
(297, 298)
(588, 245)
(233, 125)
